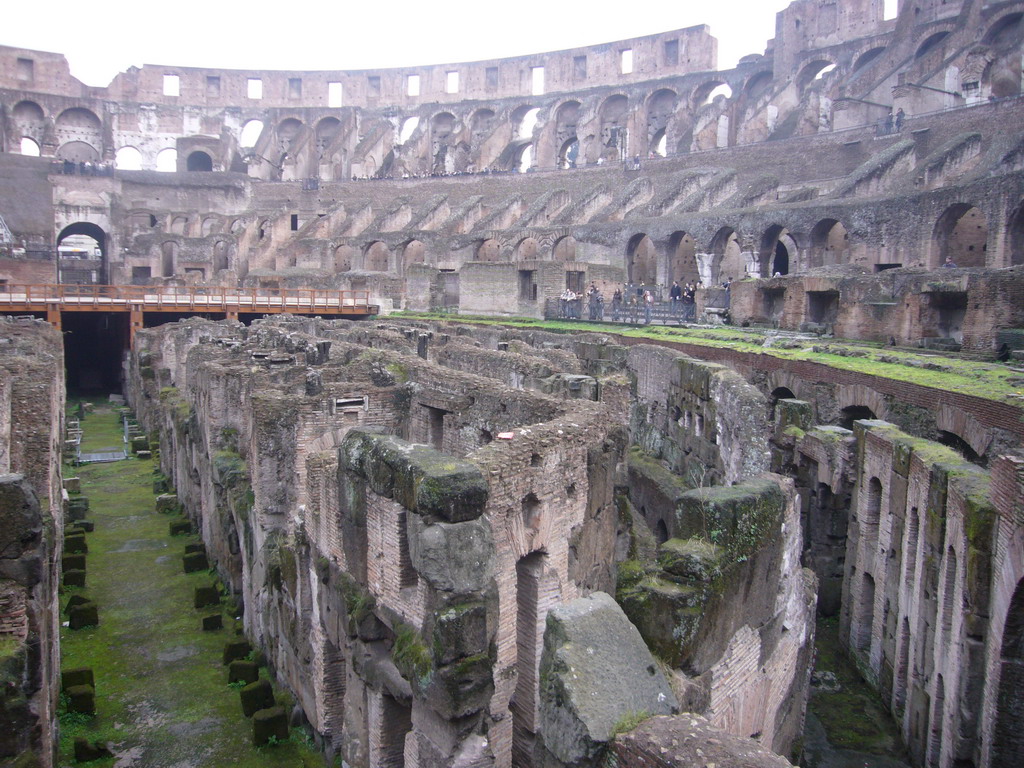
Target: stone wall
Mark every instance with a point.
(32, 511)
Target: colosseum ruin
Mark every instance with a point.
(469, 519)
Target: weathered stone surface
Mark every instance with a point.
(256, 696)
(82, 699)
(689, 740)
(74, 578)
(179, 528)
(418, 477)
(74, 601)
(459, 632)
(452, 557)
(206, 596)
(267, 723)
(77, 676)
(213, 622)
(73, 562)
(85, 615)
(76, 544)
(167, 502)
(595, 671)
(461, 688)
(86, 751)
(690, 558)
(194, 562)
(242, 671)
(236, 649)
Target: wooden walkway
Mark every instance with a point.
(137, 300)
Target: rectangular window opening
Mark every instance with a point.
(26, 70)
(254, 88)
(537, 81)
(213, 85)
(671, 53)
(345, 404)
(451, 82)
(373, 85)
(626, 61)
(579, 67)
(412, 85)
(527, 285)
(491, 78)
(575, 281)
(334, 94)
(295, 222)
(294, 87)
(172, 85)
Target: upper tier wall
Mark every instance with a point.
(678, 52)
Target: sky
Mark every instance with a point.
(104, 37)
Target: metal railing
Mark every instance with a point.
(664, 312)
(156, 297)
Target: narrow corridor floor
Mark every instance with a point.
(162, 698)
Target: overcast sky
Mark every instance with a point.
(104, 37)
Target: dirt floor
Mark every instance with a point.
(161, 690)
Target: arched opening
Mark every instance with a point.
(829, 244)
(564, 249)
(82, 240)
(326, 131)
(78, 152)
(758, 84)
(815, 70)
(288, 131)
(30, 122)
(569, 153)
(526, 249)
(902, 669)
(343, 258)
(568, 144)
(442, 127)
(1007, 734)
(167, 160)
(706, 93)
(29, 147)
(524, 120)
(935, 738)
(864, 614)
(1005, 32)
(199, 161)
(76, 130)
(614, 114)
(867, 57)
(661, 107)
(775, 255)
(488, 250)
(128, 159)
(683, 259)
(525, 159)
(642, 261)
(961, 234)
(221, 255)
(852, 413)
(930, 44)
(959, 445)
(660, 532)
(728, 264)
(376, 257)
(250, 134)
(414, 252)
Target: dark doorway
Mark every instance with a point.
(94, 343)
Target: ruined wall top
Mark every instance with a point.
(678, 52)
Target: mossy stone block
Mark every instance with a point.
(85, 615)
(206, 596)
(193, 548)
(195, 562)
(73, 484)
(212, 622)
(74, 602)
(76, 545)
(690, 559)
(180, 528)
(86, 751)
(243, 671)
(77, 676)
(73, 562)
(267, 723)
(236, 649)
(460, 631)
(77, 507)
(86, 525)
(74, 578)
(144, 454)
(167, 502)
(160, 485)
(256, 696)
(81, 699)
(140, 443)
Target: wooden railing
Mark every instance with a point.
(174, 297)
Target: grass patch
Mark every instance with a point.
(990, 381)
(160, 684)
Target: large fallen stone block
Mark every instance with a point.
(86, 751)
(73, 562)
(179, 528)
(195, 562)
(76, 545)
(74, 578)
(77, 676)
(212, 622)
(236, 649)
(595, 673)
(167, 502)
(689, 739)
(206, 596)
